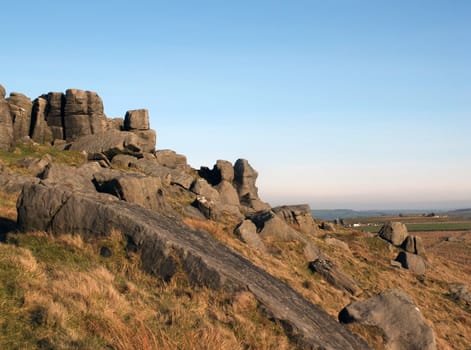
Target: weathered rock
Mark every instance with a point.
(115, 123)
(171, 159)
(222, 171)
(80, 178)
(394, 232)
(12, 182)
(110, 143)
(20, 107)
(413, 262)
(152, 168)
(137, 119)
(270, 226)
(166, 245)
(244, 181)
(225, 170)
(122, 161)
(83, 114)
(298, 216)
(40, 131)
(337, 243)
(36, 166)
(202, 188)
(460, 293)
(6, 126)
(55, 114)
(147, 139)
(227, 193)
(395, 313)
(2, 92)
(247, 232)
(145, 191)
(414, 245)
(334, 276)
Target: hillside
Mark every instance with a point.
(107, 243)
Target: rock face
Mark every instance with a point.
(394, 232)
(40, 131)
(414, 245)
(171, 159)
(298, 216)
(395, 313)
(270, 226)
(165, 244)
(6, 123)
(413, 262)
(110, 143)
(55, 114)
(334, 276)
(244, 181)
(143, 190)
(20, 107)
(83, 114)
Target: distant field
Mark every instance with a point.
(414, 223)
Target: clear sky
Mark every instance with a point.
(339, 104)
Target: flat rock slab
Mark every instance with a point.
(166, 244)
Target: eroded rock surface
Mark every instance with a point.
(394, 232)
(397, 315)
(166, 244)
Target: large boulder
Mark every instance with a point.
(298, 216)
(244, 181)
(270, 226)
(394, 232)
(6, 126)
(83, 114)
(175, 176)
(20, 107)
(227, 193)
(137, 119)
(109, 142)
(41, 132)
(412, 262)
(334, 275)
(143, 190)
(203, 188)
(396, 314)
(2, 92)
(166, 246)
(171, 159)
(81, 178)
(247, 233)
(414, 245)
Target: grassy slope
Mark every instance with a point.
(59, 293)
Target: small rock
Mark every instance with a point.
(106, 252)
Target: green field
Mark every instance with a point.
(427, 226)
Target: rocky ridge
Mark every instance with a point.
(129, 186)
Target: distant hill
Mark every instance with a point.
(460, 213)
(332, 214)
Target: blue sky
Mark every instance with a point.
(342, 103)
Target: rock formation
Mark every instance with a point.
(166, 244)
(6, 123)
(395, 313)
(394, 232)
